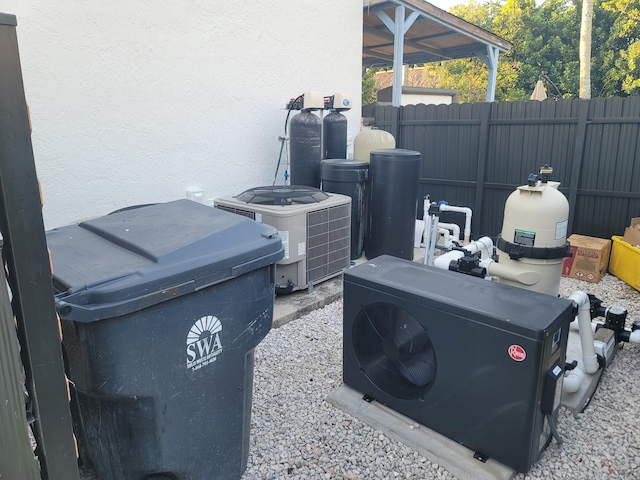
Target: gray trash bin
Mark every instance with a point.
(162, 307)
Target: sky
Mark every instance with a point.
(445, 4)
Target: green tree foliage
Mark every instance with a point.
(369, 89)
(545, 38)
(619, 56)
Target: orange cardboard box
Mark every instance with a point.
(632, 233)
(590, 258)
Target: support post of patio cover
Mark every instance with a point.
(490, 59)
(399, 27)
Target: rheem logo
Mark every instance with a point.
(517, 353)
(203, 342)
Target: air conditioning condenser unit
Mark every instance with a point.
(315, 228)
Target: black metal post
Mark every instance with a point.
(25, 252)
(578, 157)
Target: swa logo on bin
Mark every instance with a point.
(203, 342)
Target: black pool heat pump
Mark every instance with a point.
(479, 362)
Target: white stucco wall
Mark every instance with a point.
(138, 101)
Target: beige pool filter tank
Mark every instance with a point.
(370, 139)
(533, 240)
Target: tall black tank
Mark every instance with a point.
(305, 149)
(349, 177)
(392, 207)
(334, 141)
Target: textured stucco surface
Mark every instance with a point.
(136, 102)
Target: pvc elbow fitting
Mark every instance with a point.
(572, 380)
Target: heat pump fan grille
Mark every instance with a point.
(282, 195)
(394, 350)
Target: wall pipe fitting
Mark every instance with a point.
(467, 222)
(452, 227)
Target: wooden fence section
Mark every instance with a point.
(476, 154)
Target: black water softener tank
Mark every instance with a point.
(306, 149)
(334, 141)
(392, 203)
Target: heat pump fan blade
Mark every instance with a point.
(378, 323)
(394, 350)
(408, 337)
(419, 370)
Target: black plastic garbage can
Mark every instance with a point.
(349, 177)
(162, 307)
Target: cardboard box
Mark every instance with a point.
(590, 258)
(632, 233)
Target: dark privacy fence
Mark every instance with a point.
(475, 155)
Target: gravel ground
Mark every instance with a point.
(296, 435)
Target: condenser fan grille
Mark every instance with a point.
(394, 350)
(282, 195)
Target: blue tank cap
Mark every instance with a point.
(443, 202)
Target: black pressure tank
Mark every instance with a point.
(349, 177)
(334, 139)
(305, 149)
(392, 205)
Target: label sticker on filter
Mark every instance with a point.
(524, 237)
(561, 229)
(203, 342)
(517, 353)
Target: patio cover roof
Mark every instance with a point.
(424, 33)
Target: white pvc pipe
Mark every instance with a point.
(484, 244)
(444, 260)
(453, 227)
(447, 242)
(589, 358)
(418, 234)
(430, 235)
(425, 207)
(467, 221)
(572, 380)
(634, 337)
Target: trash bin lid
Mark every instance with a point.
(124, 262)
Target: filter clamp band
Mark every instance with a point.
(516, 251)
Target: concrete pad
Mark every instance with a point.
(294, 305)
(577, 401)
(288, 307)
(437, 448)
